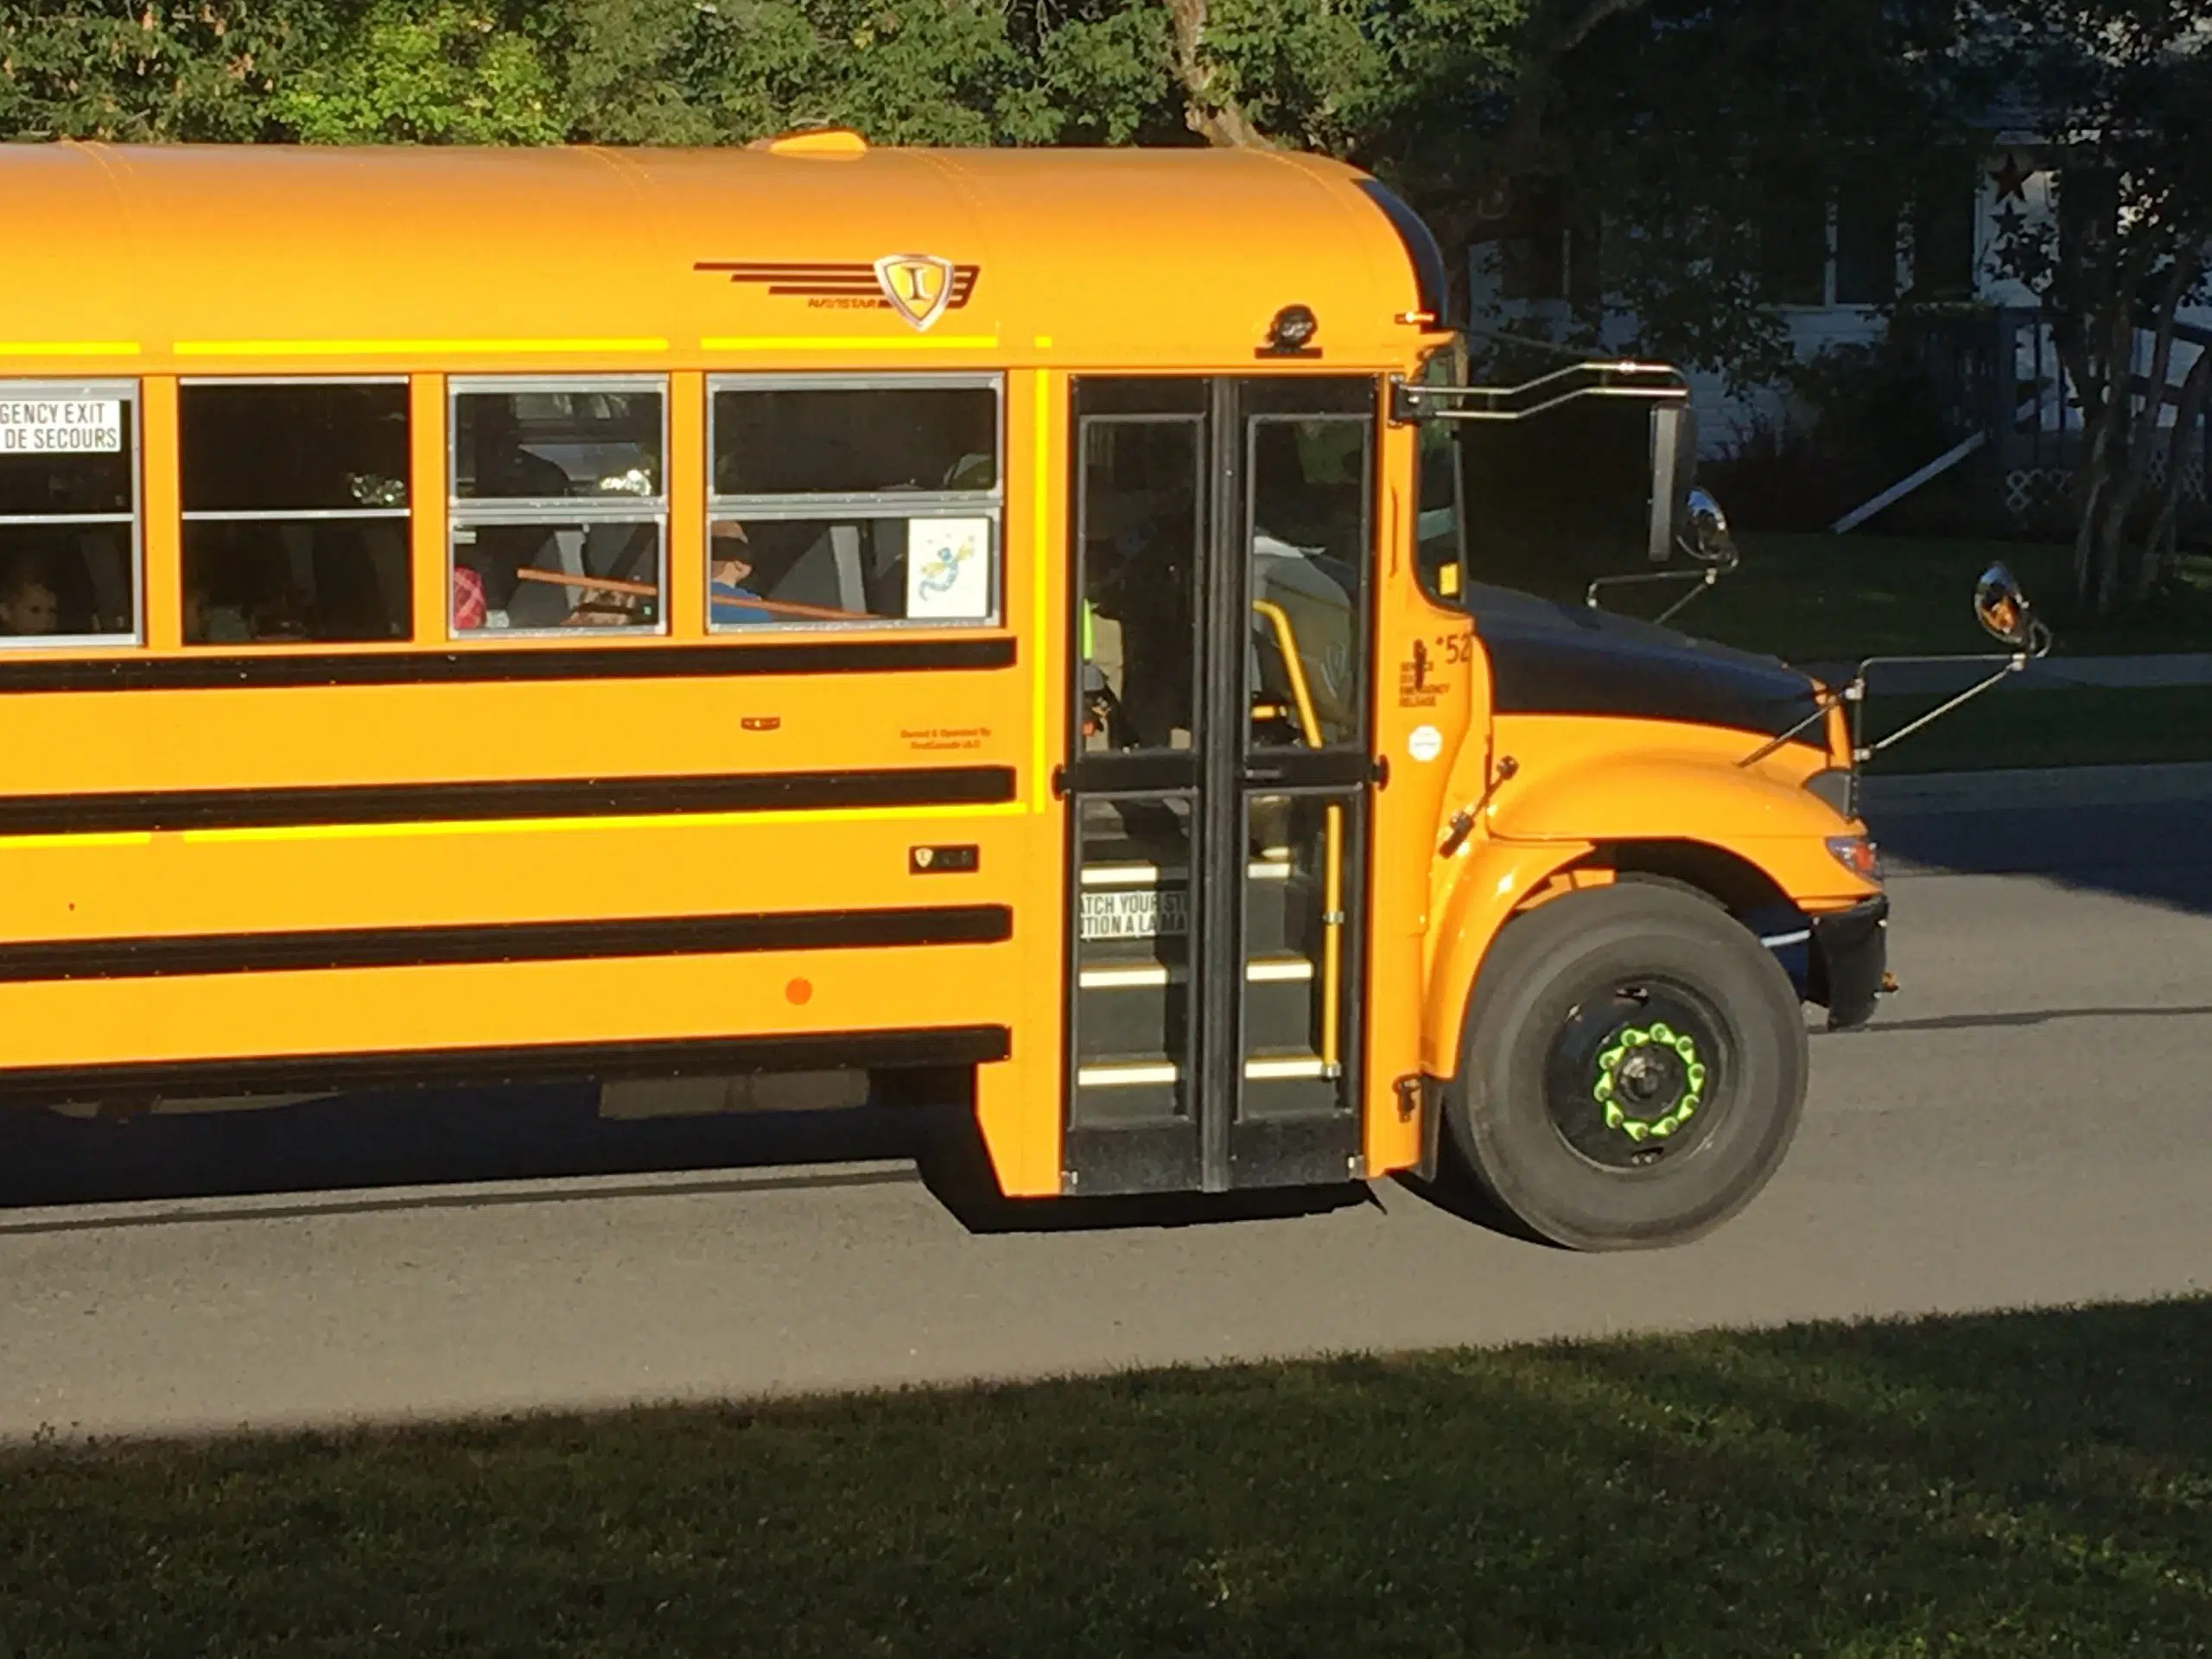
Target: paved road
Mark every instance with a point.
(2026, 1124)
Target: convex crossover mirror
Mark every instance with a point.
(2002, 609)
(1708, 540)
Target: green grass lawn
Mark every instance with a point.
(1838, 598)
(2076, 727)
(2031, 1483)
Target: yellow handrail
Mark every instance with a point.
(1286, 643)
(1332, 856)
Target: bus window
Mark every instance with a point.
(560, 505)
(1139, 510)
(1309, 495)
(844, 501)
(296, 511)
(68, 514)
(1440, 554)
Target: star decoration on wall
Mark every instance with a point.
(2011, 178)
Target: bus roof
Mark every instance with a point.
(263, 259)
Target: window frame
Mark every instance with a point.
(1362, 645)
(304, 515)
(1081, 424)
(478, 512)
(131, 392)
(799, 507)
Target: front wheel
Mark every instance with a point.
(1633, 1068)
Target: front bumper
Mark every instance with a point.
(1849, 960)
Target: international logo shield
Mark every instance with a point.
(919, 285)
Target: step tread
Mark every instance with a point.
(1261, 970)
(1275, 1065)
(1140, 874)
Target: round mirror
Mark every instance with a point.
(2001, 608)
(1709, 537)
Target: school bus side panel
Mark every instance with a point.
(1430, 688)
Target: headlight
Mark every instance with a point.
(1857, 854)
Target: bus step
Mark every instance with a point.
(1266, 1067)
(1143, 1008)
(1127, 976)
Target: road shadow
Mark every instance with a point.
(957, 1170)
(2025, 1482)
(1455, 1189)
(2158, 852)
(437, 1137)
(421, 1138)
(2014, 1020)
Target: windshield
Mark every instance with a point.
(1437, 528)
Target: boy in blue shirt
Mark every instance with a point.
(726, 569)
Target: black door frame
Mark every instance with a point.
(1215, 1152)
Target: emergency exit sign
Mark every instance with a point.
(53, 426)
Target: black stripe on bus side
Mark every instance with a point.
(476, 803)
(285, 1074)
(234, 671)
(162, 957)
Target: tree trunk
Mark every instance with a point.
(2092, 391)
(1214, 116)
(2143, 423)
(2073, 375)
(2196, 388)
(2106, 350)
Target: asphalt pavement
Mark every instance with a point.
(2024, 1125)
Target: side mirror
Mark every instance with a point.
(1709, 541)
(2003, 610)
(1674, 463)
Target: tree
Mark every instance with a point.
(1692, 143)
(2118, 94)
(143, 70)
(451, 72)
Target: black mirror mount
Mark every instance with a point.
(1674, 463)
(2001, 606)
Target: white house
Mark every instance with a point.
(1834, 269)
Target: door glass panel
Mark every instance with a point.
(1139, 549)
(1133, 959)
(1297, 958)
(1309, 539)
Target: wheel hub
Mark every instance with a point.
(1650, 1080)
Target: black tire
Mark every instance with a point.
(1639, 970)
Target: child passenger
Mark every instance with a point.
(27, 604)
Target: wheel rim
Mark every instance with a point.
(1637, 1075)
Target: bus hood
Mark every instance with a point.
(1550, 658)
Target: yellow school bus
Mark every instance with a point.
(994, 620)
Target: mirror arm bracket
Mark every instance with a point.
(1827, 698)
(1641, 382)
(2009, 664)
(1701, 579)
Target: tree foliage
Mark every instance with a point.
(1702, 134)
(145, 73)
(1323, 74)
(1696, 128)
(2118, 96)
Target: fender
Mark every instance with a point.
(1539, 826)
(1623, 797)
(1762, 814)
(1493, 878)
